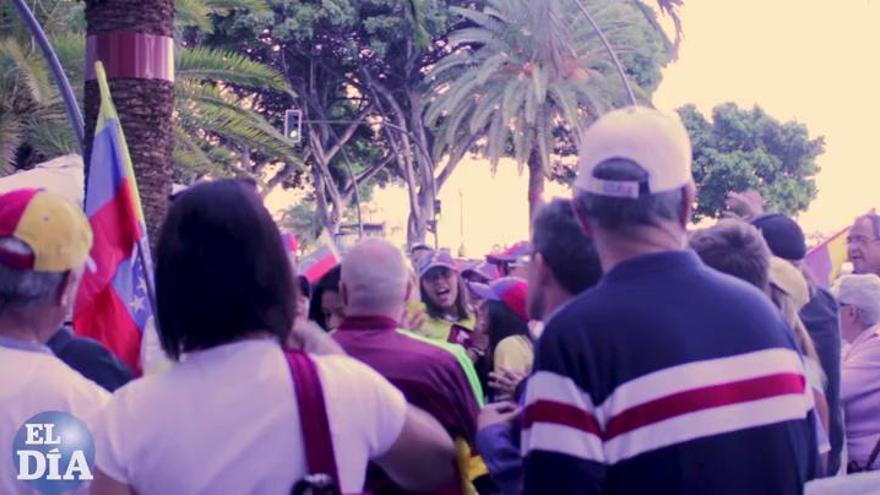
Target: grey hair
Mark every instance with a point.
(862, 292)
(20, 288)
(617, 213)
(375, 276)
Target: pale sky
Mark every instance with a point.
(813, 61)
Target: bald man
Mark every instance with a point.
(436, 377)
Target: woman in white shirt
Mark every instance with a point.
(224, 418)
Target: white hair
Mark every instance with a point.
(862, 292)
(375, 278)
(23, 287)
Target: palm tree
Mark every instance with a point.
(214, 129)
(527, 76)
(145, 103)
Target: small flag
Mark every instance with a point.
(113, 304)
(320, 261)
(825, 260)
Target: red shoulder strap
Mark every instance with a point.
(313, 416)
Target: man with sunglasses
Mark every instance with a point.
(863, 244)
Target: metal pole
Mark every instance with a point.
(73, 113)
(461, 220)
(611, 52)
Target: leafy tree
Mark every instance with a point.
(528, 76)
(358, 70)
(747, 149)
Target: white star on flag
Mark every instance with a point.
(137, 304)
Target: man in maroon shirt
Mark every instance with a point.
(375, 286)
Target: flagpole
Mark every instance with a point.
(147, 261)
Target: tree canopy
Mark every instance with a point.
(741, 149)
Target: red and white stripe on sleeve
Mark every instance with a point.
(666, 407)
(559, 417)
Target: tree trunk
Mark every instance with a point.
(536, 184)
(142, 90)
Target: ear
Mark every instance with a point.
(542, 269)
(687, 206)
(67, 290)
(583, 219)
(852, 313)
(343, 292)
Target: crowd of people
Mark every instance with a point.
(616, 352)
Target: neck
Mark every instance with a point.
(554, 297)
(856, 333)
(369, 322)
(395, 314)
(15, 328)
(619, 246)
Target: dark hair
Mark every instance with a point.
(328, 283)
(503, 323)
(462, 302)
(222, 271)
(735, 248)
(615, 213)
(571, 255)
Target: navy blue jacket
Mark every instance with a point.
(668, 377)
(90, 358)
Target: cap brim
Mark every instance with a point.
(437, 265)
(483, 291)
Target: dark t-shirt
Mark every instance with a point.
(668, 377)
(90, 358)
(820, 318)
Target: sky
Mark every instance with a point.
(813, 61)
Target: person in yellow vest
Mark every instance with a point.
(444, 298)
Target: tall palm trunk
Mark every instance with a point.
(536, 183)
(141, 83)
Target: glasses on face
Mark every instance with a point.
(860, 240)
(863, 240)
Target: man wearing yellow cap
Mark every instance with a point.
(44, 249)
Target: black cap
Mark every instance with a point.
(784, 237)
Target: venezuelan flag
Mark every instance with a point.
(321, 260)
(113, 303)
(825, 260)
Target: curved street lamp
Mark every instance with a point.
(70, 104)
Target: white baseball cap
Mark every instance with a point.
(655, 141)
(861, 291)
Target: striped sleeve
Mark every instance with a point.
(561, 435)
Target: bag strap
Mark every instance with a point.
(320, 457)
(873, 457)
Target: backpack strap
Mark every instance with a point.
(320, 457)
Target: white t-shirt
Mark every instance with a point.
(225, 420)
(32, 381)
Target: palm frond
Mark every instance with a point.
(204, 64)
(210, 111)
(188, 154)
(28, 69)
(197, 13)
(11, 137)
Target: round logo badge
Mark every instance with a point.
(53, 453)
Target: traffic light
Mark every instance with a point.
(293, 125)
